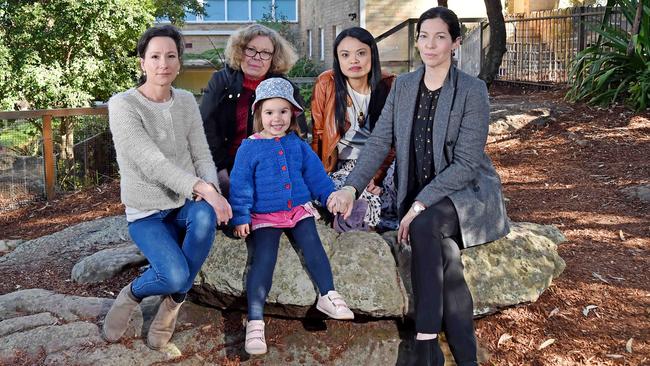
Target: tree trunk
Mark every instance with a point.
(497, 44)
(635, 27)
(66, 130)
(442, 3)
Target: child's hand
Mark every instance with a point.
(242, 230)
(341, 202)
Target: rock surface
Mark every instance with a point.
(363, 268)
(40, 327)
(512, 270)
(641, 192)
(510, 114)
(107, 263)
(79, 240)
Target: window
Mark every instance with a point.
(237, 10)
(310, 50)
(286, 9)
(259, 8)
(246, 10)
(322, 43)
(214, 10)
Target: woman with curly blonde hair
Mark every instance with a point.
(253, 53)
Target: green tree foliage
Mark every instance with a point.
(67, 53)
(175, 10)
(5, 75)
(605, 73)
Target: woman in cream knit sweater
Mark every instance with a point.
(168, 184)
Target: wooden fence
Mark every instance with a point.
(47, 136)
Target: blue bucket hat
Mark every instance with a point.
(276, 88)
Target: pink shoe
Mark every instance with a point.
(255, 342)
(334, 306)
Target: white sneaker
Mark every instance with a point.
(255, 342)
(334, 306)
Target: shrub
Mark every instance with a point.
(305, 67)
(605, 73)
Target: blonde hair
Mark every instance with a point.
(257, 117)
(284, 55)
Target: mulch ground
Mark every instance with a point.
(568, 173)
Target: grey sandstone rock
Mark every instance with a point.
(82, 239)
(222, 278)
(34, 331)
(107, 263)
(640, 192)
(512, 270)
(365, 274)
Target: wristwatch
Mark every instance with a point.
(418, 207)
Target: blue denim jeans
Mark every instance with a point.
(264, 245)
(176, 242)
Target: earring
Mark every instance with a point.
(144, 73)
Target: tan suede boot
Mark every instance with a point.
(162, 326)
(118, 316)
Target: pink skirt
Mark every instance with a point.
(283, 219)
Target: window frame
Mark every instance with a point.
(201, 20)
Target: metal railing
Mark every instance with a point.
(91, 153)
(397, 49)
(540, 46)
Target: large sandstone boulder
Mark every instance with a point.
(374, 282)
(362, 264)
(371, 272)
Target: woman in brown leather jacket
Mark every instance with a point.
(346, 103)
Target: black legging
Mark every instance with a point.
(442, 299)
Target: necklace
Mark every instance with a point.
(164, 100)
(359, 107)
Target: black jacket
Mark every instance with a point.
(218, 110)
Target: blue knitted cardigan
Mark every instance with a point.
(271, 175)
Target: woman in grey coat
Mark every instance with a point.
(448, 192)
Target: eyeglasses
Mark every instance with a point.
(251, 52)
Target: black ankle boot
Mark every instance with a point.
(428, 353)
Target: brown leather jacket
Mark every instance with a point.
(324, 131)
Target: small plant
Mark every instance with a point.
(305, 67)
(214, 56)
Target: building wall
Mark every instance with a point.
(526, 6)
(206, 36)
(332, 17)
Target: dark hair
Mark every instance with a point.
(446, 15)
(159, 31)
(374, 79)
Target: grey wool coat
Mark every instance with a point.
(464, 172)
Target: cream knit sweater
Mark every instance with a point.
(161, 153)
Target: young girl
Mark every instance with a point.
(274, 178)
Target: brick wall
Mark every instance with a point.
(330, 16)
(382, 15)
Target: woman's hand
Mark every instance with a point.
(374, 189)
(220, 205)
(403, 236)
(341, 202)
(242, 230)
